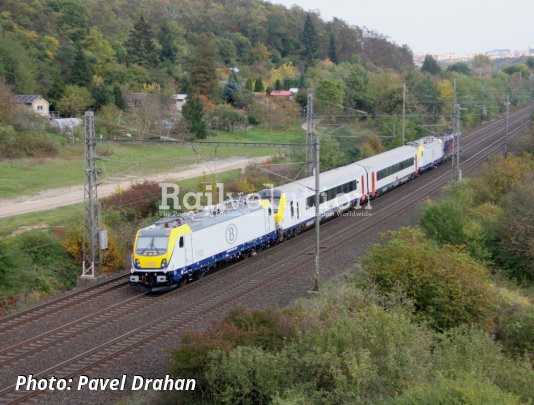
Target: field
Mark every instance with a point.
(29, 176)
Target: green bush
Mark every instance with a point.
(467, 350)
(466, 390)
(516, 330)
(515, 247)
(264, 329)
(452, 221)
(447, 286)
(362, 356)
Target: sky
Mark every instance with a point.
(426, 26)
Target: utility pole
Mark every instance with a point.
(91, 213)
(403, 112)
(457, 136)
(317, 214)
(317, 171)
(309, 137)
(506, 131)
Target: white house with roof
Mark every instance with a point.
(34, 102)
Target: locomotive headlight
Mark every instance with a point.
(164, 263)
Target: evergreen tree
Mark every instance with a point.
(81, 72)
(332, 50)
(258, 85)
(278, 85)
(249, 85)
(168, 50)
(140, 45)
(193, 113)
(310, 41)
(119, 97)
(203, 69)
(231, 90)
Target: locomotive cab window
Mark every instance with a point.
(181, 243)
(151, 245)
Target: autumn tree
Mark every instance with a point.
(203, 69)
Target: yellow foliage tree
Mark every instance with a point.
(282, 72)
(446, 91)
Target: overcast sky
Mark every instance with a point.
(460, 26)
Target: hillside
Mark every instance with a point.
(131, 45)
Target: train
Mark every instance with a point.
(179, 249)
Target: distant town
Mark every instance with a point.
(449, 58)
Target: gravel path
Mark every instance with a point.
(60, 197)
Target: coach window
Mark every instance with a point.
(292, 209)
(181, 243)
(298, 211)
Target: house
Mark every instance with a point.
(179, 101)
(282, 94)
(34, 102)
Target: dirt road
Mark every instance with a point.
(59, 197)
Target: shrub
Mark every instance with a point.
(515, 233)
(447, 286)
(466, 390)
(516, 330)
(111, 257)
(140, 200)
(466, 350)
(264, 329)
(501, 176)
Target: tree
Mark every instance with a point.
(330, 95)
(331, 154)
(249, 85)
(168, 49)
(16, 65)
(278, 85)
(140, 45)
(193, 113)
(430, 65)
(356, 91)
(482, 65)
(203, 69)
(258, 86)
(231, 90)
(98, 50)
(310, 41)
(530, 62)
(81, 72)
(332, 50)
(75, 100)
(460, 67)
(447, 286)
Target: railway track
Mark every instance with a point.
(25, 317)
(478, 145)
